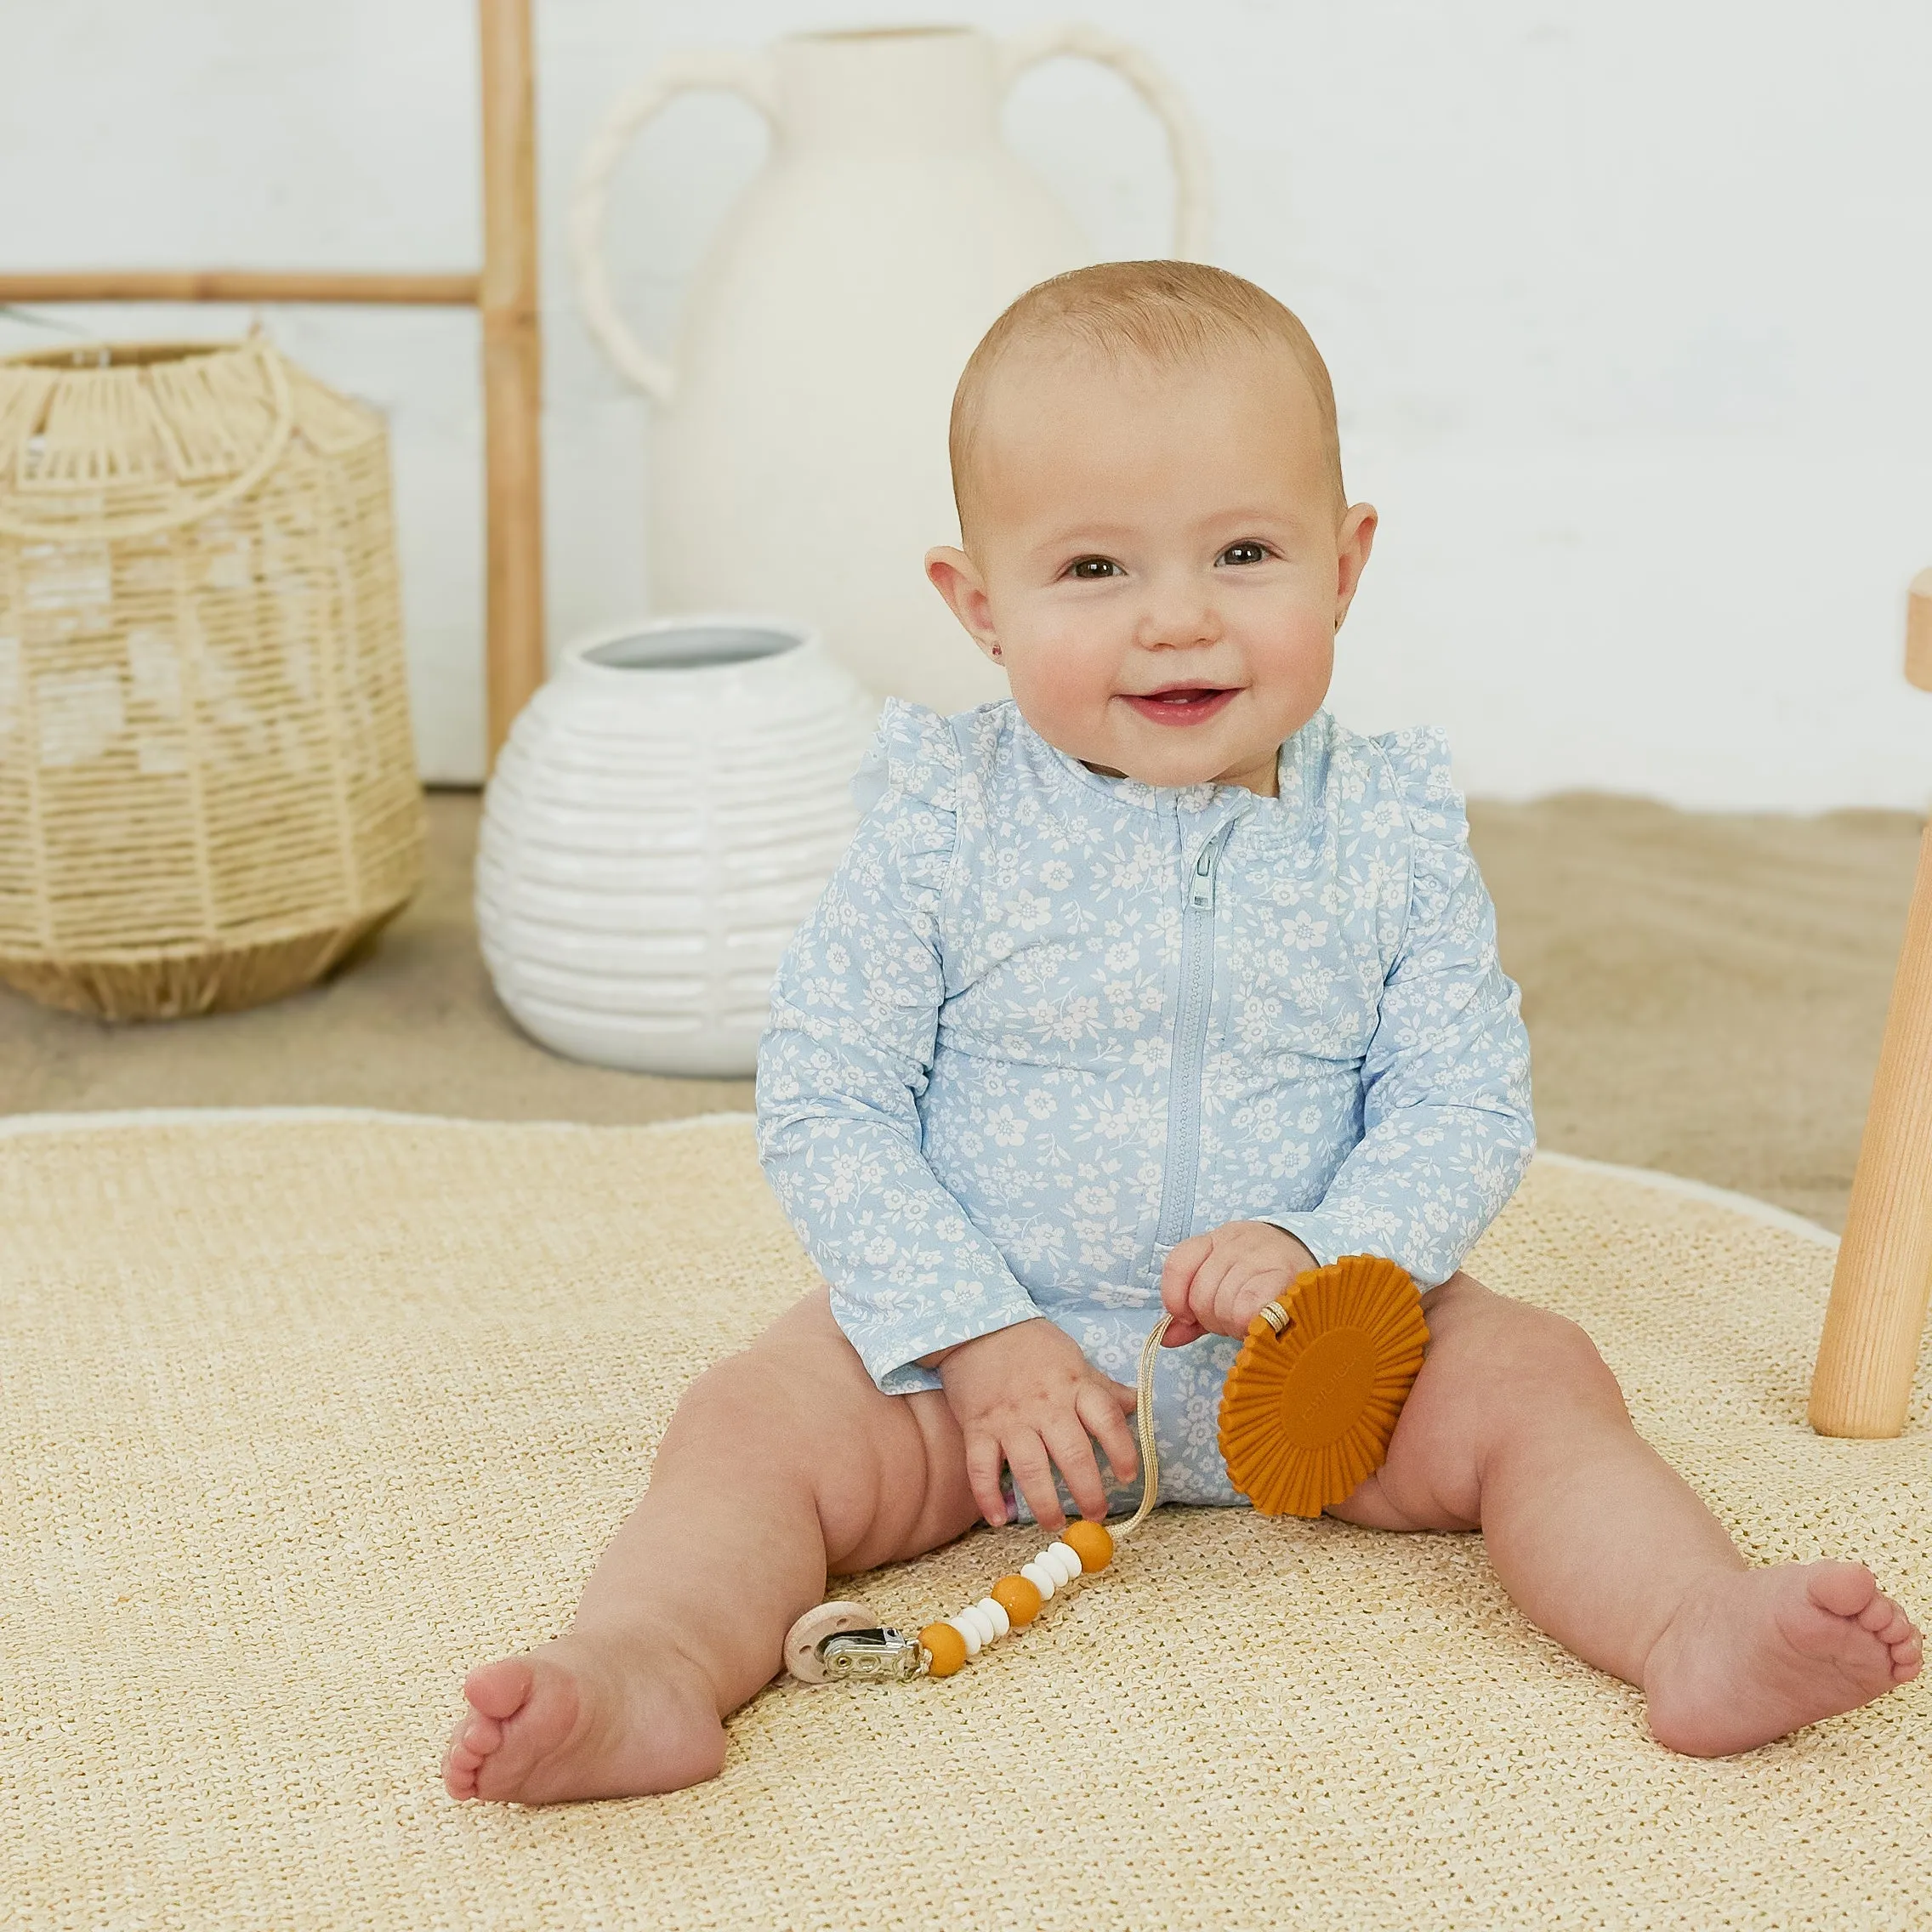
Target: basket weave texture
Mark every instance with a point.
(273, 1477)
(207, 784)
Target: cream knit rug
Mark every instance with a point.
(303, 1415)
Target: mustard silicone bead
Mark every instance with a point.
(1091, 1543)
(944, 1646)
(1018, 1598)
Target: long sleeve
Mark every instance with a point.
(1447, 1127)
(854, 1015)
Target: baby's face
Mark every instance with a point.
(1158, 560)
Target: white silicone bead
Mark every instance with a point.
(995, 1614)
(982, 1624)
(1066, 1557)
(1045, 1581)
(969, 1632)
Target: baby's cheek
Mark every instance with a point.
(1062, 676)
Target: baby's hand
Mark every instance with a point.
(1216, 1284)
(1025, 1397)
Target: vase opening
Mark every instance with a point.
(693, 647)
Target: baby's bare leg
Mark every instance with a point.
(1516, 1427)
(781, 1465)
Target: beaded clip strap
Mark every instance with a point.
(1311, 1402)
(843, 1641)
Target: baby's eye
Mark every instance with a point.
(1093, 568)
(1244, 554)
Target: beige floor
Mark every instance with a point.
(273, 1476)
(1705, 995)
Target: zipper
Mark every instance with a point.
(1207, 864)
(1190, 1041)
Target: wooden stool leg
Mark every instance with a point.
(1862, 1383)
(513, 366)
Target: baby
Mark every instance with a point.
(1149, 989)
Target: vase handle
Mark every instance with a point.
(1186, 151)
(685, 73)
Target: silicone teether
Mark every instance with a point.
(1312, 1399)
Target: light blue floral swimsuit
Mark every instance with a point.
(1044, 1025)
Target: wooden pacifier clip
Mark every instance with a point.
(1310, 1404)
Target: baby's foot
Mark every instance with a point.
(1758, 1653)
(583, 1717)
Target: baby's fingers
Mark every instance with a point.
(1098, 1407)
(1216, 1282)
(1072, 1451)
(1177, 1277)
(1242, 1290)
(1033, 1477)
(984, 1462)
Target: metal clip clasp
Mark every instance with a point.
(873, 1656)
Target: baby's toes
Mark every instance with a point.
(460, 1765)
(498, 1691)
(1893, 1628)
(480, 1735)
(1846, 1589)
(1880, 1615)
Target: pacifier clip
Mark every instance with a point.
(1310, 1404)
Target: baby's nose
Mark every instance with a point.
(1177, 617)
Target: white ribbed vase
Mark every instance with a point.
(667, 809)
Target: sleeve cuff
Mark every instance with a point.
(1327, 1237)
(895, 1372)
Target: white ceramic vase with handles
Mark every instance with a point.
(799, 462)
(667, 809)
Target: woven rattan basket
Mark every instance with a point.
(208, 786)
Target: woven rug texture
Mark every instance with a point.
(302, 1418)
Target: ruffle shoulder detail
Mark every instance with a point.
(915, 755)
(1418, 765)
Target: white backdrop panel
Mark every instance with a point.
(1627, 310)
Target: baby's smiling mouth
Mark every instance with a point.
(1181, 704)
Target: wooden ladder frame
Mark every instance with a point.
(505, 292)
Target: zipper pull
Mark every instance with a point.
(1201, 889)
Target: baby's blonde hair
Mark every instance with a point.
(1161, 313)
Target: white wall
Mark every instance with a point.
(1629, 310)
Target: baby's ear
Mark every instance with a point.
(1353, 543)
(957, 578)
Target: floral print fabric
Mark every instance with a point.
(1044, 1025)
